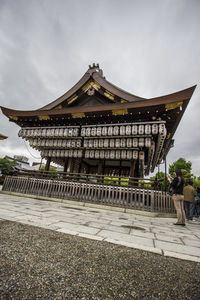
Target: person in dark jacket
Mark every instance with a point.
(189, 200)
(177, 185)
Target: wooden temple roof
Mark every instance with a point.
(94, 96)
(3, 137)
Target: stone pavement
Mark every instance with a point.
(148, 233)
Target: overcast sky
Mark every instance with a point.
(148, 48)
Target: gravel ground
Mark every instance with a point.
(37, 263)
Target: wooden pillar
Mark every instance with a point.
(47, 166)
(132, 171)
(70, 165)
(100, 168)
(66, 165)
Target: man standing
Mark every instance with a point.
(189, 200)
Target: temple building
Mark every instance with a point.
(98, 128)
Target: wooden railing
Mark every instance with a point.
(122, 192)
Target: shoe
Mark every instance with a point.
(179, 224)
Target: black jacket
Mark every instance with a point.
(177, 184)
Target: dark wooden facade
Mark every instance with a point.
(98, 128)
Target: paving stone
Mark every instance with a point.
(126, 237)
(181, 256)
(172, 247)
(78, 228)
(191, 242)
(168, 238)
(91, 237)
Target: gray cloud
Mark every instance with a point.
(148, 48)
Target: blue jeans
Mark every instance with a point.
(189, 209)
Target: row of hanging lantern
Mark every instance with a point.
(123, 130)
(94, 154)
(117, 143)
(111, 154)
(114, 130)
(60, 143)
(92, 143)
(62, 153)
(49, 132)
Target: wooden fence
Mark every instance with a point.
(92, 189)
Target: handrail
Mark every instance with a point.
(92, 178)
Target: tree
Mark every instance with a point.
(7, 166)
(160, 181)
(52, 171)
(185, 166)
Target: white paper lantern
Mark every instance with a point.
(96, 143)
(102, 154)
(134, 129)
(141, 155)
(116, 130)
(122, 130)
(70, 131)
(65, 133)
(93, 131)
(112, 154)
(135, 154)
(110, 130)
(101, 143)
(154, 128)
(118, 154)
(104, 131)
(75, 131)
(56, 132)
(98, 131)
(91, 143)
(80, 153)
(75, 154)
(86, 143)
(97, 154)
(123, 143)
(69, 143)
(117, 143)
(128, 130)
(141, 129)
(78, 143)
(70, 153)
(87, 154)
(162, 129)
(129, 154)
(91, 153)
(107, 154)
(123, 154)
(66, 153)
(83, 131)
(112, 143)
(73, 143)
(141, 142)
(147, 129)
(129, 142)
(105, 143)
(148, 142)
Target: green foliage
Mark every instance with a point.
(181, 163)
(144, 184)
(196, 182)
(160, 181)
(7, 166)
(109, 180)
(52, 171)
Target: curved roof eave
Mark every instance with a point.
(183, 95)
(95, 75)
(115, 89)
